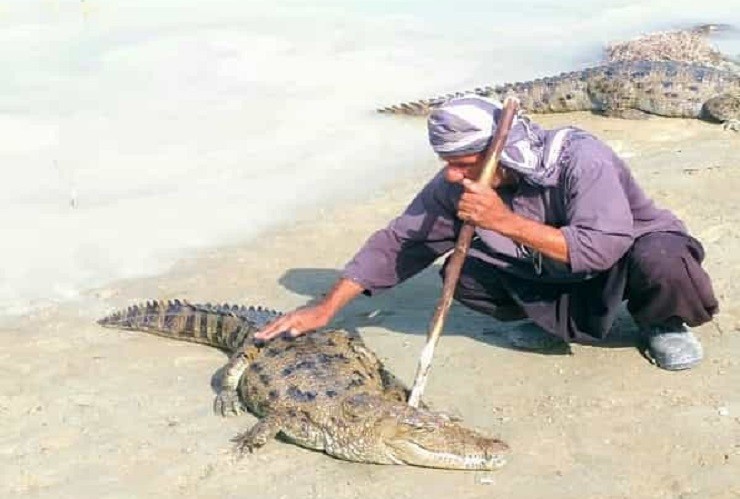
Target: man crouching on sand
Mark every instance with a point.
(563, 236)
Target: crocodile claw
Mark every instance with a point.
(733, 125)
(244, 444)
(227, 403)
(257, 436)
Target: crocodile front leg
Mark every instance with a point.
(293, 426)
(733, 125)
(725, 108)
(258, 435)
(227, 402)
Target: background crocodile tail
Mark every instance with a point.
(423, 107)
(220, 326)
(418, 108)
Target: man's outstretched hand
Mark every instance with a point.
(296, 323)
(307, 319)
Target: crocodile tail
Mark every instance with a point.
(425, 106)
(417, 108)
(565, 92)
(221, 326)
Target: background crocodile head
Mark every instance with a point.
(393, 432)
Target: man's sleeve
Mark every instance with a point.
(411, 242)
(600, 223)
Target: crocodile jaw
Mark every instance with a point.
(451, 447)
(421, 437)
(370, 428)
(488, 454)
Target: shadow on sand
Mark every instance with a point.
(408, 308)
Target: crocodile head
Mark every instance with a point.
(391, 432)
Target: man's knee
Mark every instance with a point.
(476, 278)
(666, 280)
(479, 288)
(660, 258)
(467, 285)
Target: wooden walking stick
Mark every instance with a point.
(452, 273)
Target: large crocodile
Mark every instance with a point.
(325, 391)
(630, 89)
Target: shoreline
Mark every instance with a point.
(90, 410)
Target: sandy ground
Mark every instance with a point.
(91, 412)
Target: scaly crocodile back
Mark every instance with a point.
(221, 326)
(665, 88)
(565, 92)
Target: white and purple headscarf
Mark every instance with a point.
(465, 125)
